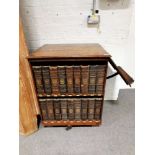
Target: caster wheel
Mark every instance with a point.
(68, 128)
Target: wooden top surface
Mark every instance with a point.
(70, 51)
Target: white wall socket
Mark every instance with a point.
(93, 19)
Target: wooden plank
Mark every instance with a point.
(28, 105)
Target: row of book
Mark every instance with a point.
(71, 109)
(84, 79)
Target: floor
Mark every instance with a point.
(116, 136)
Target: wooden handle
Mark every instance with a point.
(125, 76)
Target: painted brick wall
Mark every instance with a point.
(64, 21)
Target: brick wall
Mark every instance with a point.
(64, 21)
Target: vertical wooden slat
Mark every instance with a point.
(28, 104)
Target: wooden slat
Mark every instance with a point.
(28, 105)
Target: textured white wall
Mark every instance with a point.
(64, 21)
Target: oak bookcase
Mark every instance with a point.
(68, 55)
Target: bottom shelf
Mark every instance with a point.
(71, 123)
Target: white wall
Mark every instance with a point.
(64, 21)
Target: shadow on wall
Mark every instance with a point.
(111, 88)
(113, 4)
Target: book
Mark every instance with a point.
(100, 81)
(69, 77)
(57, 109)
(62, 79)
(64, 109)
(98, 108)
(54, 79)
(77, 77)
(84, 109)
(77, 108)
(43, 109)
(99, 89)
(92, 79)
(91, 108)
(84, 79)
(46, 80)
(50, 109)
(70, 109)
(38, 79)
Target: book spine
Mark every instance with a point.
(38, 79)
(84, 79)
(70, 103)
(64, 109)
(92, 79)
(69, 76)
(54, 79)
(77, 105)
(101, 73)
(43, 109)
(46, 80)
(62, 79)
(77, 77)
(84, 109)
(98, 108)
(91, 108)
(50, 109)
(57, 109)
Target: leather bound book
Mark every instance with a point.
(50, 109)
(77, 105)
(54, 79)
(43, 109)
(69, 76)
(64, 109)
(46, 80)
(100, 82)
(38, 79)
(84, 79)
(70, 109)
(62, 79)
(57, 109)
(98, 108)
(77, 79)
(84, 109)
(92, 79)
(99, 89)
(91, 108)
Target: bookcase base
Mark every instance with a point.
(72, 123)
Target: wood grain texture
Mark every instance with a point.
(28, 105)
(70, 51)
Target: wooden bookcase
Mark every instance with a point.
(71, 55)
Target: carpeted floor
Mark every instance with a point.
(115, 137)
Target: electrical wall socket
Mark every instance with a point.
(93, 19)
